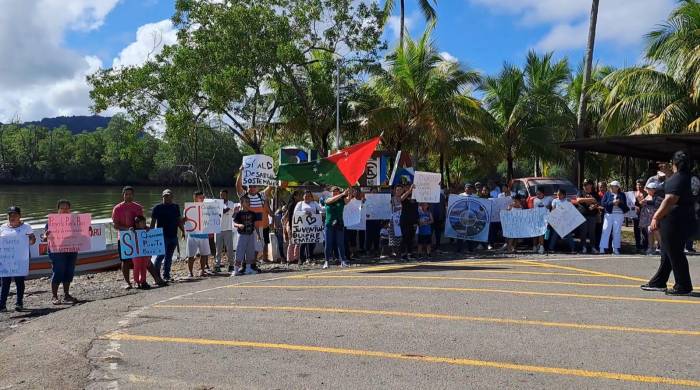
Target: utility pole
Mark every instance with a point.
(582, 115)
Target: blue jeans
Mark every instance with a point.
(335, 242)
(554, 238)
(5, 289)
(170, 245)
(62, 267)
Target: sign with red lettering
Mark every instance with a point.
(203, 218)
(69, 233)
(141, 243)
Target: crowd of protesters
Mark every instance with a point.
(664, 213)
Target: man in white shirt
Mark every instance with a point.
(227, 235)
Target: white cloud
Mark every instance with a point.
(150, 39)
(621, 22)
(41, 77)
(448, 57)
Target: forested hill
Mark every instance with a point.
(76, 124)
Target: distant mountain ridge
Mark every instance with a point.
(76, 124)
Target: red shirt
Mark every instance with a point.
(123, 214)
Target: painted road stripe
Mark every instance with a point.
(508, 321)
(460, 278)
(411, 357)
(465, 289)
(556, 266)
(495, 271)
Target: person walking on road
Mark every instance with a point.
(675, 218)
(166, 216)
(62, 264)
(14, 228)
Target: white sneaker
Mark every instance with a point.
(616, 252)
(584, 250)
(490, 247)
(540, 250)
(250, 271)
(344, 264)
(325, 265)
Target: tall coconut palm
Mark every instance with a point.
(422, 100)
(529, 109)
(663, 96)
(425, 5)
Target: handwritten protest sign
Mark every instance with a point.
(140, 243)
(69, 232)
(519, 223)
(363, 222)
(14, 256)
(352, 213)
(498, 204)
(202, 217)
(378, 206)
(258, 170)
(565, 218)
(468, 218)
(427, 187)
(307, 229)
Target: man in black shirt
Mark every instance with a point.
(676, 218)
(167, 216)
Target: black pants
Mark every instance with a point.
(372, 235)
(438, 228)
(5, 290)
(306, 251)
(408, 232)
(640, 236)
(673, 258)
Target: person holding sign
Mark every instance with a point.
(15, 228)
(225, 237)
(198, 243)
(554, 236)
(615, 205)
(244, 221)
(123, 216)
(425, 229)
(511, 243)
(141, 263)
(588, 205)
(62, 264)
(335, 237)
(408, 222)
(308, 206)
(259, 203)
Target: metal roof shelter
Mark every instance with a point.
(658, 147)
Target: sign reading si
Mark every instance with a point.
(69, 233)
(140, 243)
(307, 229)
(258, 170)
(203, 217)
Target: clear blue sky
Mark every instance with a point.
(44, 70)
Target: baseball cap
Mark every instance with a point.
(167, 192)
(14, 209)
(615, 183)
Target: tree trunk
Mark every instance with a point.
(403, 15)
(582, 115)
(509, 159)
(442, 166)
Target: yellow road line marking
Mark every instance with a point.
(464, 278)
(411, 357)
(508, 321)
(495, 271)
(567, 268)
(465, 289)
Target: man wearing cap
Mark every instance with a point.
(166, 216)
(588, 203)
(15, 228)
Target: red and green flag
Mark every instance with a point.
(341, 169)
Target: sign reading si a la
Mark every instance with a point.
(307, 228)
(258, 170)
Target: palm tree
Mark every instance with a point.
(529, 109)
(663, 96)
(425, 6)
(422, 101)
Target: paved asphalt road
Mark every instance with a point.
(548, 322)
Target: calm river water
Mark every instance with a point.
(36, 201)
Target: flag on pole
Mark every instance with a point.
(342, 169)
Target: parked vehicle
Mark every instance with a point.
(528, 186)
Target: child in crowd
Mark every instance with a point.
(425, 229)
(244, 221)
(384, 240)
(140, 263)
(511, 243)
(554, 236)
(649, 205)
(539, 202)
